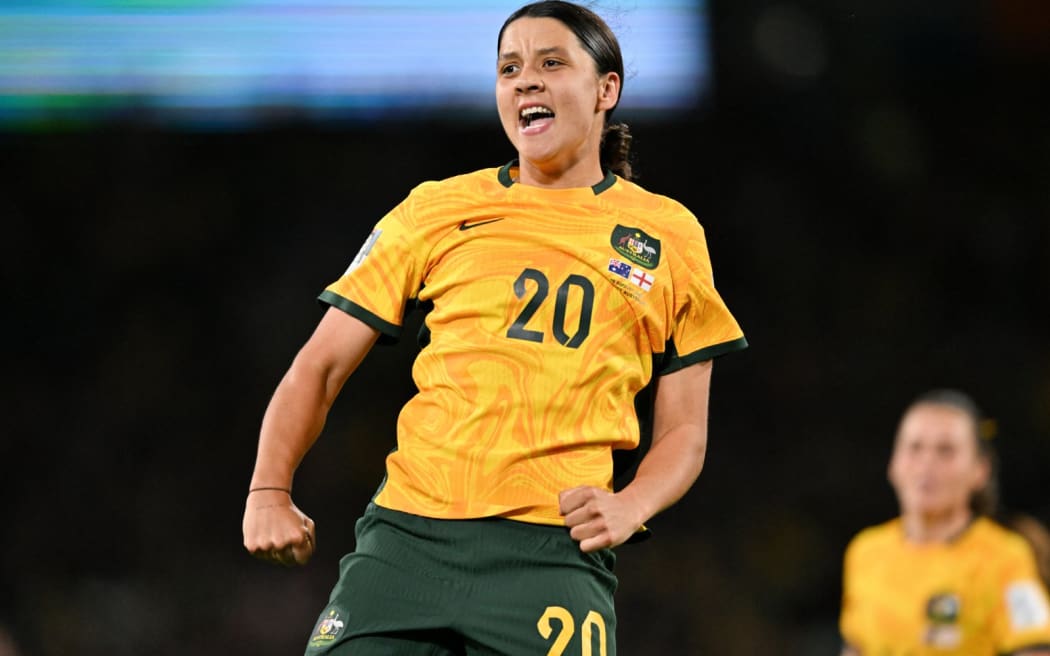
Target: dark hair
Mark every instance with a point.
(986, 500)
(600, 43)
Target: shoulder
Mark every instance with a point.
(1000, 542)
(466, 185)
(874, 540)
(631, 197)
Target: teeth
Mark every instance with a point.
(535, 109)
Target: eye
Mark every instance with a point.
(508, 69)
(550, 63)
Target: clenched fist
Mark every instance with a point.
(277, 531)
(597, 518)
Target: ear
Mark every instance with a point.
(983, 473)
(608, 91)
(892, 467)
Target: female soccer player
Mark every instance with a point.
(942, 578)
(561, 294)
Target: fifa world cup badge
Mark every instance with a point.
(942, 612)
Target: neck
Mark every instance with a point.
(935, 528)
(577, 166)
(578, 174)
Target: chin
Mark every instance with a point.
(926, 505)
(933, 509)
(538, 159)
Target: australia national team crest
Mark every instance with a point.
(327, 629)
(636, 246)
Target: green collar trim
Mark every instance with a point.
(505, 179)
(606, 182)
(504, 174)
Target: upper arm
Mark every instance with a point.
(681, 399)
(853, 626)
(337, 346)
(1023, 616)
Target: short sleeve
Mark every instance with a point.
(703, 328)
(386, 273)
(848, 622)
(1023, 611)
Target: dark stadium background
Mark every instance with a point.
(874, 179)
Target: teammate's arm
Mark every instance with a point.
(274, 529)
(849, 651)
(598, 518)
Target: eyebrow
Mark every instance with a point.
(542, 51)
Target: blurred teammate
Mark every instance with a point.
(943, 578)
(563, 298)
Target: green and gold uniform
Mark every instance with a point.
(551, 310)
(978, 595)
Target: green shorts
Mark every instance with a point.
(438, 587)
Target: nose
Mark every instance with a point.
(926, 463)
(528, 81)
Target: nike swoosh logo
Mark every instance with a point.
(463, 225)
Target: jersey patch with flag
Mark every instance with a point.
(621, 269)
(642, 279)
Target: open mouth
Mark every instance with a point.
(534, 115)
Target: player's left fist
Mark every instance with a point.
(597, 518)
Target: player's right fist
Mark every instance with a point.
(275, 530)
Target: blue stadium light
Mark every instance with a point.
(241, 62)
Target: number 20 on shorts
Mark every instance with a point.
(568, 629)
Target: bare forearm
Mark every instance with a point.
(679, 440)
(299, 407)
(274, 528)
(598, 518)
(668, 470)
(293, 420)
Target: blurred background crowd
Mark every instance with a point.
(874, 180)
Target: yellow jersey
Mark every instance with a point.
(978, 595)
(550, 311)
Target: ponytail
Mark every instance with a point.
(616, 150)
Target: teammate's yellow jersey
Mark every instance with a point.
(551, 310)
(978, 595)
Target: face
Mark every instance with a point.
(936, 466)
(551, 100)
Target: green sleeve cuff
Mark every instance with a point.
(328, 297)
(674, 361)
